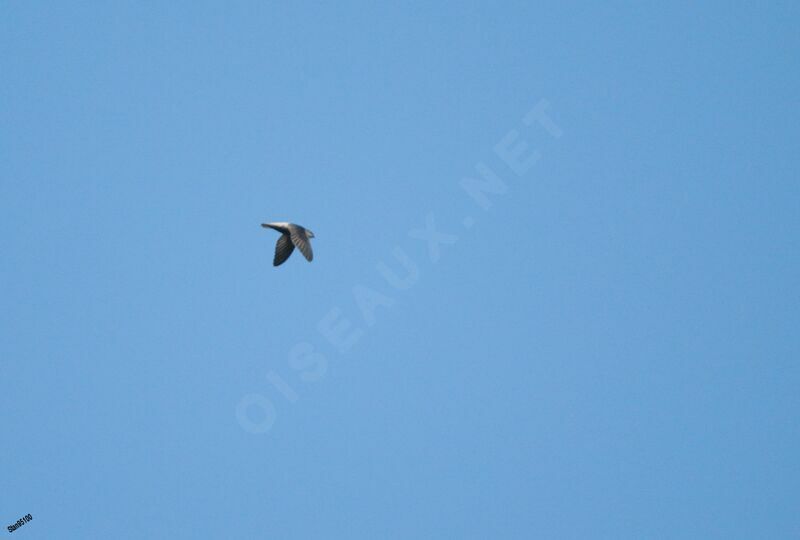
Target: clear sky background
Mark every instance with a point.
(610, 351)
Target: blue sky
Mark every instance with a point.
(609, 351)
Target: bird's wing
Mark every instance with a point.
(283, 249)
(301, 241)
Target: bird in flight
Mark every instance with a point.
(291, 236)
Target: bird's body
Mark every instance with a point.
(292, 236)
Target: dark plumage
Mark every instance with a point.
(291, 236)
